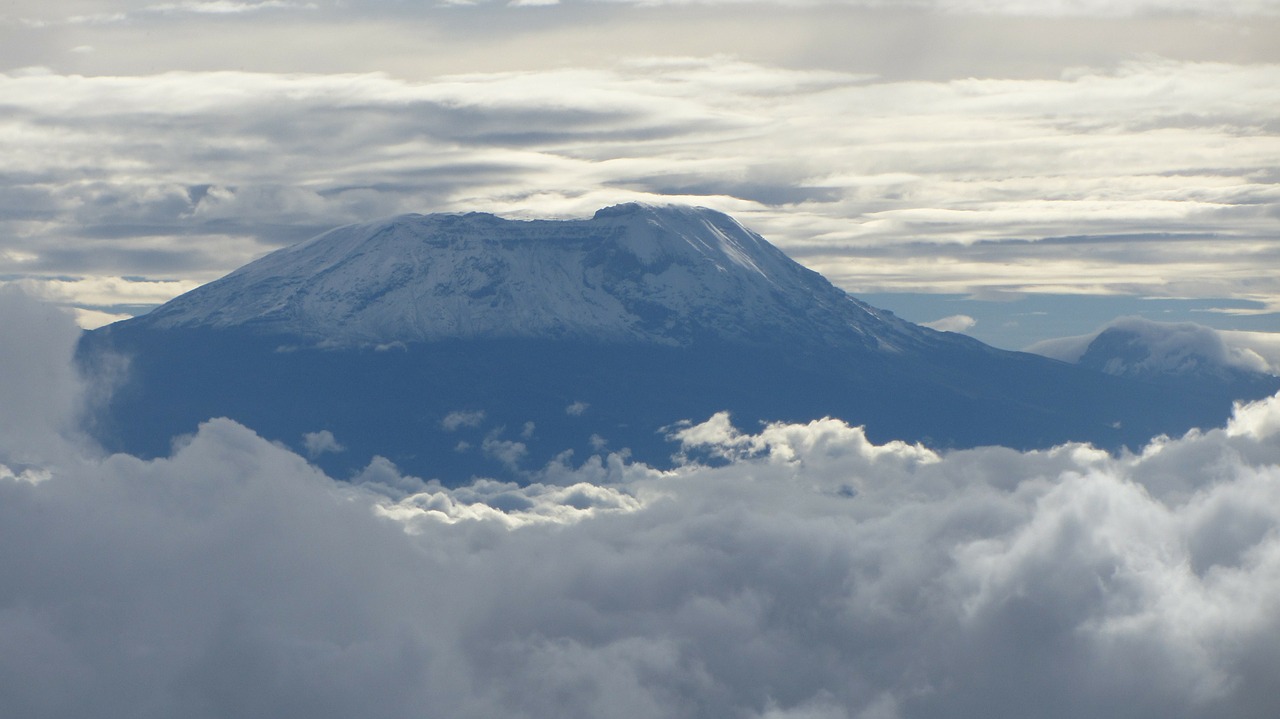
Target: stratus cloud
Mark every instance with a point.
(809, 572)
(1090, 182)
(115, 11)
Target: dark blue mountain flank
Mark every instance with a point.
(461, 345)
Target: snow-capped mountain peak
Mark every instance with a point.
(631, 273)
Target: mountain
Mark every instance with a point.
(469, 344)
(633, 274)
(1174, 354)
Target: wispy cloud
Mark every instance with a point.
(953, 323)
(462, 418)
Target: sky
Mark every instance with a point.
(799, 572)
(1015, 169)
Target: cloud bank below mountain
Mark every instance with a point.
(799, 571)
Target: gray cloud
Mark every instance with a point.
(811, 573)
(321, 442)
(118, 11)
(1088, 182)
(41, 395)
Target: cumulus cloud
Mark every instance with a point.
(462, 418)
(801, 571)
(322, 442)
(508, 452)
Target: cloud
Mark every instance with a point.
(108, 12)
(1264, 346)
(805, 572)
(954, 323)
(462, 418)
(1066, 349)
(509, 452)
(577, 408)
(322, 442)
(1173, 347)
(41, 395)
(1086, 182)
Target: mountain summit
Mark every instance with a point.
(457, 345)
(633, 273)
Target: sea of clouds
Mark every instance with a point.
(793, 571)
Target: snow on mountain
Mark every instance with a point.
(632, 273)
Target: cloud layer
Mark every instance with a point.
(801, 571)
(1154, 177)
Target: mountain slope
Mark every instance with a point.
(461, 344)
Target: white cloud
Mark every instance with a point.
(576, 408)
(322, 442)
(810, 573)
(508, 452)
(462, 418)
(1265, 346)
(92, 319)
(226, 7)
(953, 323)
(1065, 349)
